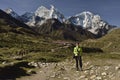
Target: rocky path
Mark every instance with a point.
(92, 70)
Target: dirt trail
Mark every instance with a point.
(92, 70)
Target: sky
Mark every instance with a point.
(109, 10)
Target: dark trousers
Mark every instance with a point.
(78, 60)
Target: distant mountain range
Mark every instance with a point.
(85, 20)
(53, 28)
(10, 24)
(57, 30)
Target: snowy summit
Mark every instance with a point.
(88, 20)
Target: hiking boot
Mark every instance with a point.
(77, 69)
(81, 69)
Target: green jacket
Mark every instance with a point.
(77, 51)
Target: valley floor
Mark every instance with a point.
(93, 69)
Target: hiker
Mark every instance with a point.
(78, 56)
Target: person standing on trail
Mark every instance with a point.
(78, 56)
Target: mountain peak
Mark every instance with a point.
(48, 13)
(42, 12)
(12, 13)
(91, 22)
(9, 10)
(41, 8)
(85, 13)
(52, 6)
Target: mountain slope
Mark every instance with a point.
(91, 22)
(56, 29)
(13, 14)
(27, 16)
(109, 42)
(10, 24)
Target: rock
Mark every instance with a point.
(106, 67)
(92, 77)
(31, 71)
(113, 78)
(33, 64)
(52, 50)
(62, 69)
(86, 64)
(83, 76)
(53, 75)
(77, 71)
(118, 72)
(41, 71)
(59, 77)
(99, 68)
(98, 78)
(12, 63)
(29, 63)
(117, 68)
(91, 67)
(86, 72)
(119, 65)
(91, 72)
(56, 65)
(86, 79)
(4, 62)
(66, 78)
(104, 74)
(112, 75)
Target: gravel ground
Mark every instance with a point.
(92, 70)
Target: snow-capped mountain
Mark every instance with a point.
(42, 12)
(54, 13)
(49, 13)
(27, 16)
(41, 15)
(91, 22)
(12, 13)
